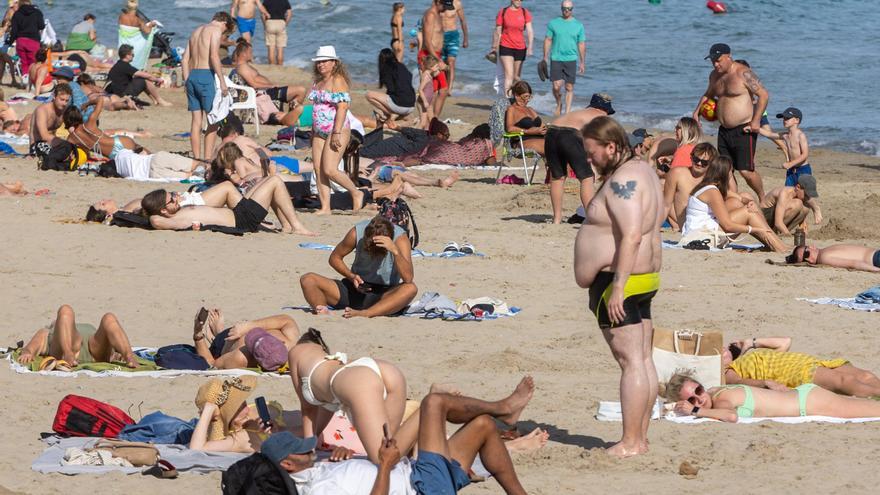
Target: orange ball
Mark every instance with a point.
(707, 110)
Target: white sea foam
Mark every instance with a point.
(201, 4)
(363, 29)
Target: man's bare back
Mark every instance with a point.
(578, 118)
(680, 182)
(200, 44)
(735, 103)
(843, 256)
(595, 244)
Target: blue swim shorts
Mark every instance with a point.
(451, 44)
(200, 90)
(246, 25)
(386, 172)
(433, 474)
(792, 174)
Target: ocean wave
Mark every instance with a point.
(355, 30)
(301, 63)
(201, 4)
(334, 12)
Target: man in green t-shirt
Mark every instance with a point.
(566, 48)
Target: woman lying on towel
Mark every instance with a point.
(65, 344)
(226, 348)
(217, 196)
(372, 393)
(730, 402)
(472, 150)
(707, 213)
(767, 363)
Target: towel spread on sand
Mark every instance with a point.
(445, 316)
(416, 253)
(610, 411)
(184, 459)
(868, 300)
(441, 166)
(148, 368)
(738, 246)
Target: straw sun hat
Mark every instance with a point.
(229, 395)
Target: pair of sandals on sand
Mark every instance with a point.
(453, 247)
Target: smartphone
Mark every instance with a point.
(263, 411)
(386, 432)
(203, 315)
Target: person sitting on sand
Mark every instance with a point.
(679, 182)
(442, 464)
(371, 392)
(238, 169)
(111, 102)
(380, 280)
(246, 74)
(707, 214)
(399, 99)
(40, 81)
(225, 348)
(731, 402)
(787, 207)
(126, 80)
(242, 212)
(767, 363)
(65, 344)
(837, 255)
(46, 120)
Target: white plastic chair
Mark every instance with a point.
(250, 102)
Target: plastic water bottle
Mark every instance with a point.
(800, 237)
(174, 79)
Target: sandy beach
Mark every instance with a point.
(156, 281)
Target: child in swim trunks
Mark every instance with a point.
(796, 143)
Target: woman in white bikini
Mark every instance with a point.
(372, 393)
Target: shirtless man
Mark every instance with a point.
(244, 12)
(838, 256)
(786, 207)
(247, 213)
(564, 147)
(224, 348)
(617, 256)
(453, 39)
(47, 118)
(432, 42)
(242, 58)
(680, 183)
(201, 62)
(736, 86)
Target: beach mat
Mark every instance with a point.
(445, 316)
(148, 368)
(183, 458)
(416, 253)
(610, 411)
(845, 303)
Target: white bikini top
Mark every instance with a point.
(306, 388)
(698, 214)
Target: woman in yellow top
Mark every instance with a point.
(769, 364)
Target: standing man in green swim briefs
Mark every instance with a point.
(617, 256)
(453, 39)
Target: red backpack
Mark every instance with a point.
(79, 416)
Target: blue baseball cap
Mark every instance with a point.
(65, 72)
(280, 445)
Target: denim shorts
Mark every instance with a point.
(434, 474)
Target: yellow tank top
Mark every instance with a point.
(792, 369)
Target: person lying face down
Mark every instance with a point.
(730, 402)
(767, 363)
(837, 255)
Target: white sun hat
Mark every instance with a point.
(325, 53)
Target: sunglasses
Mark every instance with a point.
(567, 9)
(806, 254)
(697, 392)
(699, 161)
(173, 199)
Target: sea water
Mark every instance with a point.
(819, 56)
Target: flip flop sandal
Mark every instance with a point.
(467, 248)
(48, 363)
(163, 470)
(451, 247)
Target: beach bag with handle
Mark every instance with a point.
(398, 213)
(79, 416)
(698, 353)
(137, 453)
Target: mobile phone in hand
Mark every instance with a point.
(263, 411)
(203, 315)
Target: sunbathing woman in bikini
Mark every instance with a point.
(371, 393)
(730, 402)
(90, 137)
(64, 344)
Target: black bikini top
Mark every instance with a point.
(528, 122)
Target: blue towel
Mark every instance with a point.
(8, 150)
(870, 296)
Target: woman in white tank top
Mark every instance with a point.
(706, 209)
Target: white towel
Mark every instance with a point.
(611, 411)
(221, 104)
(846, 303)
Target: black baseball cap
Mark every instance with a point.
(808, 183)
(789, 113)
(717, 50)
(642, 133)
(603, 102)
